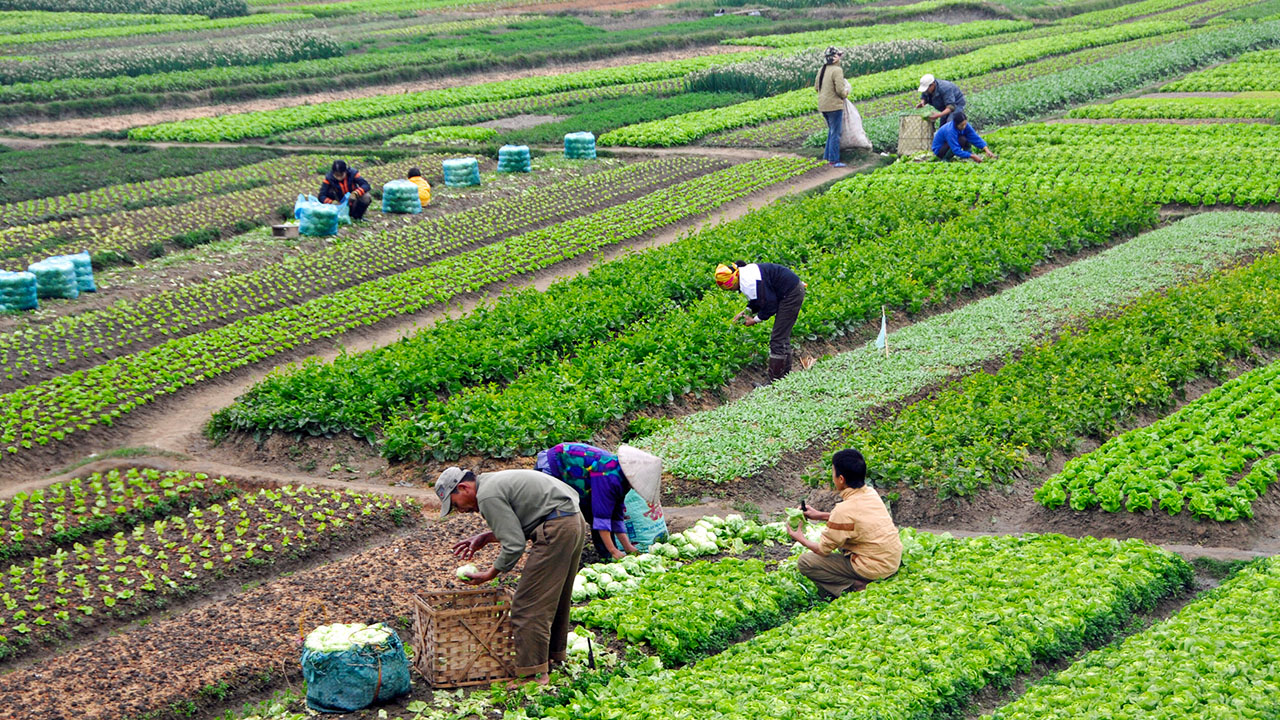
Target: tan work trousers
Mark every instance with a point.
(540, 611)
(833, 574)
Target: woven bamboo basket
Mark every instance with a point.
(915, 134)
(463, 637)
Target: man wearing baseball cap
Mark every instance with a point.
(523, 506)
(944, 96)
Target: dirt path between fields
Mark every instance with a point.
(116, 123)
(175, 425)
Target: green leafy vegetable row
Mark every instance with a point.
(172, 24)
(39, 520)
(1196, 107)
(1213, 457)
(1214, 659)
(702, 607)
(1255, 71)
(961, 615)
(52, 410)
(847, 37)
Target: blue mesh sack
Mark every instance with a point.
(314, 217)
(350, 667)
(84, 270)
(460, 172)
(401, 196)
(514, 158)
(55, 278)
(580, 146)
(17, 291)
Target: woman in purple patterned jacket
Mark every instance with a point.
(602, 479)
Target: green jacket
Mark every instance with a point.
(830, 88)
(514, 503)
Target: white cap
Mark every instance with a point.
(925, 82)
(643, 471)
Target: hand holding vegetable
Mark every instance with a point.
(818, 515)
(482, 578)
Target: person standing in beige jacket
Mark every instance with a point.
(832, 92)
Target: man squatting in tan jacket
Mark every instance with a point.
(859, 525)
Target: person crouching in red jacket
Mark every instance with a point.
(342, 180)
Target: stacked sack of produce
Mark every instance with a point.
(349, 667)
(461, 172)
(315, 218)
(17, 291)
(401, 196)
(55, 278)
(514, 158)
(84, 270)
(580, 146)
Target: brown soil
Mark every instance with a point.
(247, 641)
(121, 122)
(521, 122)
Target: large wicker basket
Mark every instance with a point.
(915, 134)
(463, 637)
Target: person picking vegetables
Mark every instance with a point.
(945, 97)
(522, 506)
(771, 290)
(954, 140)
(859, 525)
(343, 180)
(602, 479)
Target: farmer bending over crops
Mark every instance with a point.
(954, 139)
(522, 506)
(342, 180)
(859, 525)
(602, 479)
(944, 96)
(771, 290)
(424, 187)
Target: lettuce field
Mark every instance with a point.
(223, 408)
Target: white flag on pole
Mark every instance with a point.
(882, 341)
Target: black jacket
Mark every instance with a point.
(331, 190)
(776, 282)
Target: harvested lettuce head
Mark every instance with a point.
(466, 571)
(342, 636)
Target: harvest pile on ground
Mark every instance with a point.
(1061, 363)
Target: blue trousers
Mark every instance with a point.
(835, 121)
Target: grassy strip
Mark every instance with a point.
(794, 412)
(961, 615)
(1215, 658)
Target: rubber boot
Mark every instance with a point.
(787, 369)
(777, 368)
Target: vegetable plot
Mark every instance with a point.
(703, 607)
(795, 411)
(1213, 457)
(50, 411)
(905, 648)
(55, 595)
(42, 351)
(984, 429)
(1252, 71)
(696, 348)
(1214, 659)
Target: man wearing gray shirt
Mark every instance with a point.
(522, 506)
(945, 97)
